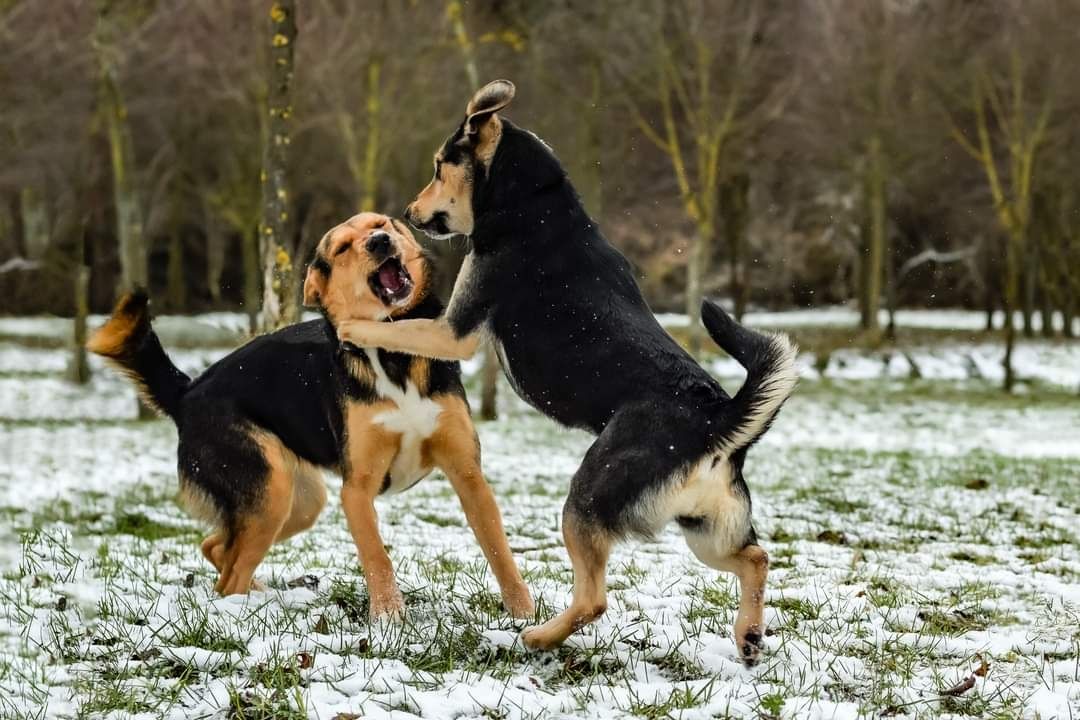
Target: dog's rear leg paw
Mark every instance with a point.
(750, 645)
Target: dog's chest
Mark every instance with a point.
(414, 418)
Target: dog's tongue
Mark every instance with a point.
(391, 277)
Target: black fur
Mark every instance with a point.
(578, 341)
(292, 383)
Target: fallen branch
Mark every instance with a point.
(961, 687)
(932, 255)
(16, 264)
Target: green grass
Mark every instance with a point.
(884, 565)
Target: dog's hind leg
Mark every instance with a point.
(258, 528)
(213, 549)
(589, 548)
(629, 459)
(751, 566)
(309, 498)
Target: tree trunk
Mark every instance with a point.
(875, 242)
(79, 369)
(249, 243)
(734, 196)
(35, 224)
(129, 227)
(891, 292)
(279, 307)
(489, 382)
(1011, 298)
(371, 144)
(176, 286)
(215, 258)
(696, 267)
(1031, 268)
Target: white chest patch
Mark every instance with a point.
(415, 419)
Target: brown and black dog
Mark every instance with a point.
(256, 427)
(578, 341)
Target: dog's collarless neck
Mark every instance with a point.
(524, 220)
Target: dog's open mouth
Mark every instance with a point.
(391, 282)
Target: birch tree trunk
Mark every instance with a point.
(129, 224)
(279, 307)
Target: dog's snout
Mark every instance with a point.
(378, 242)
(408, 214)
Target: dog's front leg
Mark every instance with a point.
(359, 506)
(370, 453)
(426, 338)
(456, 451)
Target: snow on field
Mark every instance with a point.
(843, 316)
(922, 531)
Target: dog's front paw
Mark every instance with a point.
(750, 643)
(387, 606)
(352, 332)
(519, 603)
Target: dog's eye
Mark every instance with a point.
(342, 248)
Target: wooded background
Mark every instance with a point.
(886, 152)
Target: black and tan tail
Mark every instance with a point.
(129, 342)
(770, 377)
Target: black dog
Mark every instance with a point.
(578, 341)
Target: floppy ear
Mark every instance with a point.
(487, 101)
(314, 286)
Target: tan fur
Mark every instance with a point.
(427, 338)
(346, 294)
(420, 374)
(293, 497)
(197, 503)
(110, 339)
(589, 549)
(371, 451)
(488, 141)
(450, 190)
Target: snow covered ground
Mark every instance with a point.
(922, 529)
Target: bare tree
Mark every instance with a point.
(279, 304)
(1007, 115)
(701, 79)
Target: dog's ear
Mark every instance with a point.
(487, 101)
(314, 286)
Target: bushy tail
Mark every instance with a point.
(770, 377)
(130, 343)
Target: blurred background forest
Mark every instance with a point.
(884, 153)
